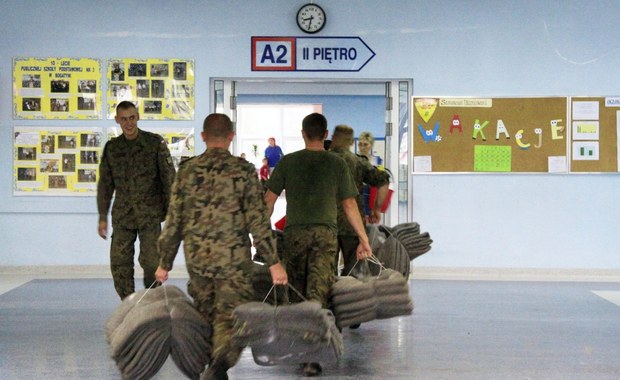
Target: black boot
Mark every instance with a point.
(312, 369)
(215, 372)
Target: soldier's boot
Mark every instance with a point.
(312, 369)
(216, 371)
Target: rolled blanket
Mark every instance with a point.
(152, 324)
(144, 296)
(410, 228)
(394, 306)
(415, 243)
(392, 255)
(142, 339)
(347, 285)
(392, 293)
(352, 307)
(287, 333)
(190, 340)
(349, 319)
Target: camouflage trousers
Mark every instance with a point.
(309, 261)
(216, 299)
(122, 252)
(352, 267)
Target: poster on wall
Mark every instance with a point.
(56, 160)
(180, 141)
(594, 134)
(162, 89)
(56, 88)
(490, 135)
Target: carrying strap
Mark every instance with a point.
(275, 298)
(374, 260)
(151, 287)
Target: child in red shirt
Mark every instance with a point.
(264, 173)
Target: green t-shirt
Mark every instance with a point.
(315, 183)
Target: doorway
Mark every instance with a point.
(354, 102)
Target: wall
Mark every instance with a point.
(457, 48)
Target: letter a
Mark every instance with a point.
(267, 55)
(501, 128)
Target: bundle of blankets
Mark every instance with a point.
(283, 334)
(153, 323)
(356, 301)
(397, 246)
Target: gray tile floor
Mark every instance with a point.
(53, 329)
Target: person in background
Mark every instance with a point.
(273, 153)
(242, 155)
(136, 168)
(216, 203)
(365, 145)
(363, 173)
(315, 181)
(326, 144)
(263, 173)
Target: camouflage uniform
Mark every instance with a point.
(364, 173)
(315, 183)
(216, 201)
(139, 173)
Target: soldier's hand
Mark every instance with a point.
(103, 229)
(278, 274)
(161, 275)
(375, 216)
(363, 251)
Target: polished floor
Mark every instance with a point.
(53, 329)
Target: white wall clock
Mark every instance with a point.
(311, 18)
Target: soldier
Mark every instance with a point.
(315, 181)
(216, 202)
(364, 173)
(137, 166)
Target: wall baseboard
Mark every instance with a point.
(515, 274)
(420, 273)
(74, 271)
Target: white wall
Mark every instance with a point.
(451, 48)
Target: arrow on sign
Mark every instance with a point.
(332, 54)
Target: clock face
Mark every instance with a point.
(311, 18)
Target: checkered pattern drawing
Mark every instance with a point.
(492, 158)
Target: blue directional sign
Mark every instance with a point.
(310, 54)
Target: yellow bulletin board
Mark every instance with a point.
(56, 88)
(511, 135)
(56, 160)
(162, 89)
(594, 134)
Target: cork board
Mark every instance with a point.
(512, 135)
(594, 134)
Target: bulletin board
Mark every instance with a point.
(512, 135)
(594, 134)
(56, 160)
(56, 88)
(162, 89)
